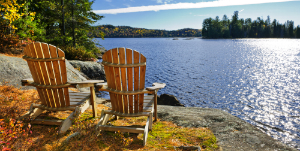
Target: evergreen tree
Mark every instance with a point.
(298, 32)
(235, 26)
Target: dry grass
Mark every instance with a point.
(23, 136)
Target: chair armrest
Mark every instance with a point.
(27, 81)
(100, 85)
(107, 89)
(156, 86)
(87, 83)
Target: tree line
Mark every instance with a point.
(64, 23)
(111, 31)
(240, 28)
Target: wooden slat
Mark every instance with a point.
(148, 97)
(46, 80)
(63, 70)
(38, 74)
(30, 63)
(121, 129)
(93, 101)
(136, 58)
(107, 73)
(33, 71)
(130, 78)
(127, 114)
(123, 78)
(75, 103)
(148, 109)
(117, 77)
(52, 109)
(78, 97)
(51, 76)
(110, 80)
(146, 132)
(86, 82)
(53, 53)
(79, 94)
(155, 105)
(156, 86)
(47, 122)
(142, 82)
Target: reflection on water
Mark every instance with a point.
(254, 79)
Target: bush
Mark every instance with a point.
(78, 53)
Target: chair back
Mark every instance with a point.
(125, 72)
(48, 68)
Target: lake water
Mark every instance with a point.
(257, 80)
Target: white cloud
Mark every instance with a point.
(218, 3)
(203, 15)
(163, 1)
(241, 10)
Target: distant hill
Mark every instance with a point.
(111, 31)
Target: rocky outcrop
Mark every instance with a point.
(92, 70)
(232, 133)
(166, 99)
(13, 69)
(102, 50)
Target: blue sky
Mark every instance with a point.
(178, 14)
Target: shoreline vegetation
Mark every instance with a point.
(111, 31)
(65, 24)
(240, 28)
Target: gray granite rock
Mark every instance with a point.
(92, 70)
(13, 70)
(232, 133)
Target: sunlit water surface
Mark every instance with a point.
(256, 80)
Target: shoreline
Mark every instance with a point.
(232, 133)
(226, 127)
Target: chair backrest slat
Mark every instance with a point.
(136, 59)
(44, 75)
(125, 79)
(48, 73)
(117, 79)
(142, 82)
(39, 80)
(45, 48)
(109, 71)
(33, 70)
(130, 78)
(63, 70)
(57, 75)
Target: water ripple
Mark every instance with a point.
(254, 79)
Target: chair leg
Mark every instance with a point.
(146, 132)
(67, 123)
(100, 123)
(106, 118)
(103, 120)
(93, 101)
(35, 113)
(150, 122)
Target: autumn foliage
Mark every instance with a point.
(21, 135)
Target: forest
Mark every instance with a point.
(240, 28)
(63, 23)
(111, 31)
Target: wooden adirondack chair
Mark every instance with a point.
(125, 73)
(48, 69)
